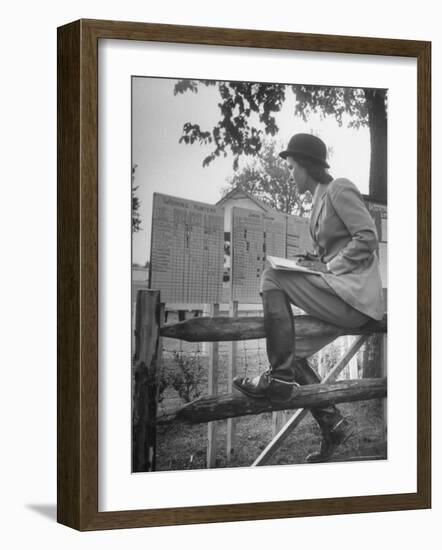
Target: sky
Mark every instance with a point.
(166, 166)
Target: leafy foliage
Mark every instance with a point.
(163, 383)
(268, 179)
(136, 218)
(240, 101)
(344, 104)
(186, 376)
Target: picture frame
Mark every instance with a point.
(78, 275)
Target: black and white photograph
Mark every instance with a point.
(259, 274)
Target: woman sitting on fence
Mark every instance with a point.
(347, 291)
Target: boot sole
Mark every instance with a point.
(249, 394)
(325, 458)
(260, 397)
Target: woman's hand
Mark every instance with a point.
(314, 265)
(308, 256)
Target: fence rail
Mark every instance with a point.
(219, 329)
(220, 407)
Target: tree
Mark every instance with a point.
(247, 115)
(356, 107)
(268, 179)
(136, 218)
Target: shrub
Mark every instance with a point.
(186, 375)
(163, 382)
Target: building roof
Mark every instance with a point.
(238, 193)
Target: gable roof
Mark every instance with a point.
(238, 193)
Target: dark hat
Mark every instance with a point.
(307, 146)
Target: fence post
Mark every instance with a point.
(147, 363)
(322, 363)
(279, 419)
(353, 369)
(231, 373)
(212, 390)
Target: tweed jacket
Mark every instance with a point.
(345, 239)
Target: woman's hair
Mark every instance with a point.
(314, 170)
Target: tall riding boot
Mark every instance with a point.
(334, 427)
(278, 381)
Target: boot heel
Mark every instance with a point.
(281, 391)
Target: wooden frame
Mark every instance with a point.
(78, 274)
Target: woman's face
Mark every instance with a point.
(298, 174)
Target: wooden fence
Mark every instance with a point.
(147, 360)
